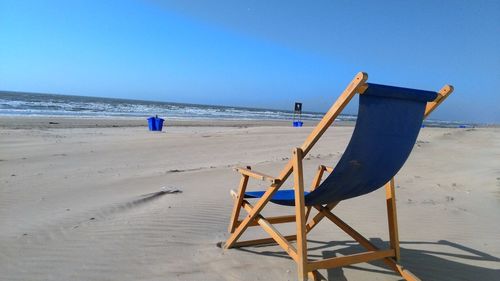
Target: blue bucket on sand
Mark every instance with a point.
(152, 123)
(159, 124)
(298, 123)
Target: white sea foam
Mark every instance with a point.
(56, 105)
(15, 104)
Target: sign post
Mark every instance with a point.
(297, 115)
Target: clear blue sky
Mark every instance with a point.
(254, 53)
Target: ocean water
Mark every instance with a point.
(34, 104)
(16, 103)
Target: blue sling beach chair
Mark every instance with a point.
(388, 123)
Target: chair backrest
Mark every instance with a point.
(388, 123)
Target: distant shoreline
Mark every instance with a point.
(56, 122)
(65, 122)
(83, 111)
(56, 105)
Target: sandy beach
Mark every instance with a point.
(83, 201)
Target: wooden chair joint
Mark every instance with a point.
(328, 169)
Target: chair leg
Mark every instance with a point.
(237, 202)
(392, 217)
(300, 215)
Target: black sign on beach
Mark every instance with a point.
(298, 107)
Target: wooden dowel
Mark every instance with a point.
(263, 241)
(350, 259)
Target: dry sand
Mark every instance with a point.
(82, 203)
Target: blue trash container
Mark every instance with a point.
(159, 124)
(152, 123)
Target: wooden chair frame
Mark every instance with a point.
(308, 269)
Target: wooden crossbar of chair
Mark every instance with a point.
(306, 268)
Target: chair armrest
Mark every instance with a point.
(257, 175)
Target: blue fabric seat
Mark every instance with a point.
(389, 120)
(282, 197)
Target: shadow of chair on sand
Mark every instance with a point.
(449, 262)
